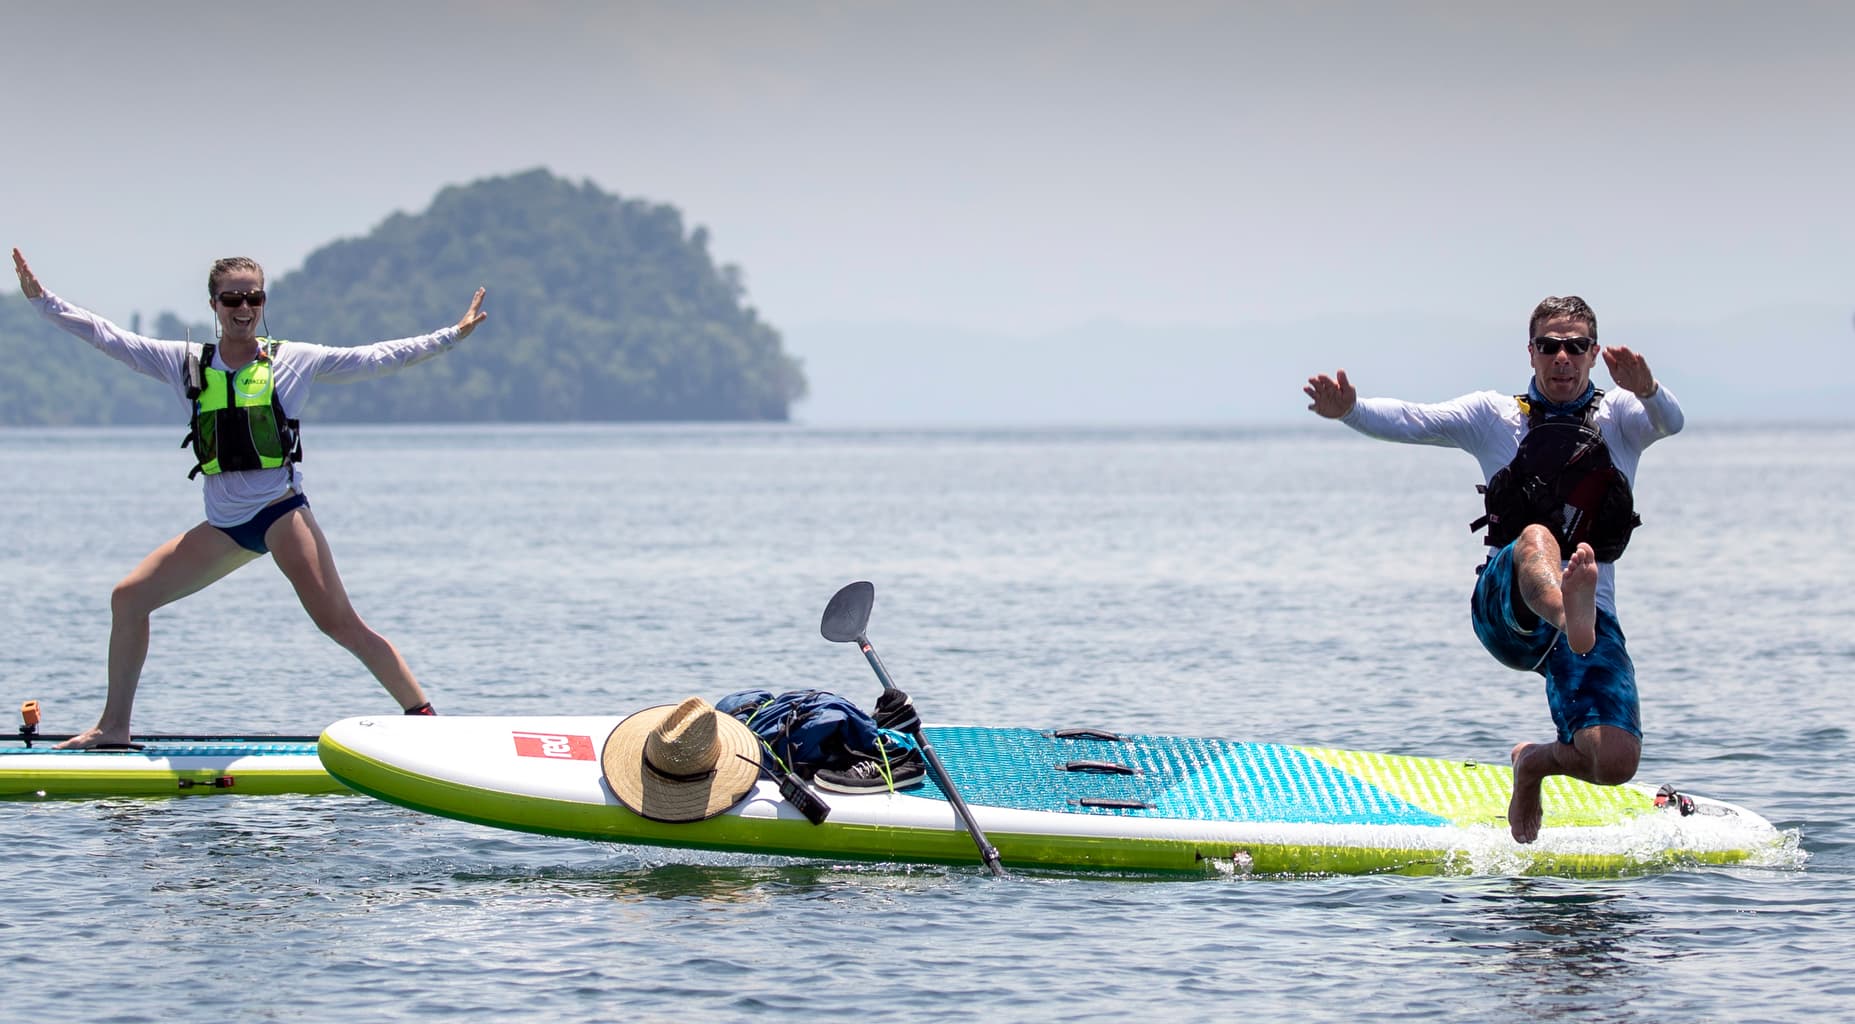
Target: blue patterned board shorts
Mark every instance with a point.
(1598, 688)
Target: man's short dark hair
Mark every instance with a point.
(1561, 305)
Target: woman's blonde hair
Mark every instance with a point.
(226, 266)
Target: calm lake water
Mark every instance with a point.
(1300, 584)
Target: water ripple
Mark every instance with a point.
(1196, 582)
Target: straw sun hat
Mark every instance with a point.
(681, 762)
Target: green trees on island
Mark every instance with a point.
(601, 308)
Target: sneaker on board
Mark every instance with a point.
(867, 776)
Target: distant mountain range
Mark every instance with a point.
(1795, 363)
(604, 308)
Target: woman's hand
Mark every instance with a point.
(1333, 396)
(472, 316)
(28, 281)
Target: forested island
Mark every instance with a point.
(601, 309)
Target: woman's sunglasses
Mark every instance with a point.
(1544, 346)
(233, 300)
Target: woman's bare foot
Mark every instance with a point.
(1523, 809)
(1578, 591)
(90, 738)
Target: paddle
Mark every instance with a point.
(845, 620)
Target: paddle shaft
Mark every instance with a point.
(987, 851)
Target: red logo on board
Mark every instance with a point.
(554, 746)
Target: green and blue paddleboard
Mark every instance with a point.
(1068, 800)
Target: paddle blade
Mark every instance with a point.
(848, 613)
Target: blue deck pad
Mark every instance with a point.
(179, 749)
(1181, 778)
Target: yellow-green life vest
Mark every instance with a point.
(238, 424)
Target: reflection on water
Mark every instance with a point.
(732, 879)
(703, 883)
(1560, 952)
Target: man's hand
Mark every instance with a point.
(1629, 370)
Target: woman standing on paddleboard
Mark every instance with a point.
(243, 394)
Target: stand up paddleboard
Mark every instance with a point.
(158, 766)
(166, 766)
(1076, 800)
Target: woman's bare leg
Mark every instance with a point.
(302, 553)
(185, 565)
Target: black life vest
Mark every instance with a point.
(238, 423)
(1562, 478)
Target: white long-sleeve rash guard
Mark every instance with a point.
(233, 498)
(1489, 425)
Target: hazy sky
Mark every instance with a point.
(1010, 167)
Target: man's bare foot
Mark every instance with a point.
(92, 738)
(1523, 809)
(1578, 591)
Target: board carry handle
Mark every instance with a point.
(1109, 803)
(1089, 734)
(845, 621)
(1098, 768)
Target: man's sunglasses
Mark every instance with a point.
(1551, 346)
(233, 300)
